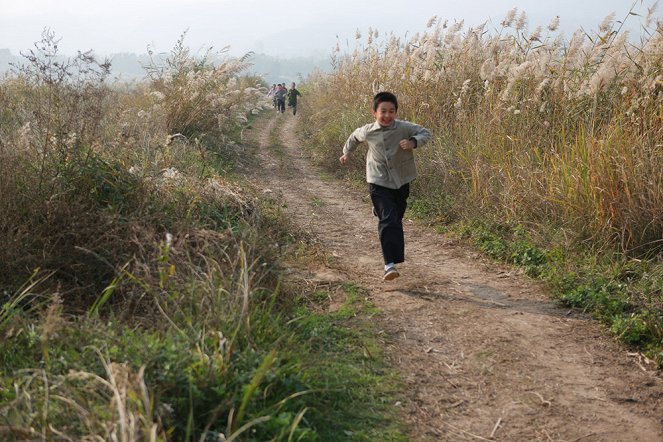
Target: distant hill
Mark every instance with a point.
(129, 66)
(280, 70)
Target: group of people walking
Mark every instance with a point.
(280, 94)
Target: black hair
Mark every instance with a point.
(384, 97)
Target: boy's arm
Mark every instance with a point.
(358, 136)
(419, 134)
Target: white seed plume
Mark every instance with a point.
(465, 87)
(606, 24)
(536, 34)
(510, 16)
(158, 95)
(650, 14)
(542, 86)
(554, 24)
(487, 69)
(171, 173)
(521, 23)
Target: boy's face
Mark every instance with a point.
(385, 114)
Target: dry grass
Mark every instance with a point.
(111, 201)
(529, 127)
(92, 177)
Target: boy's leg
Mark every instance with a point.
(402, 195)
(390, 206)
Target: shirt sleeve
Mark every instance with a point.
(358, 136)
(420, 134)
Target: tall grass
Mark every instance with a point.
(530, 127)
(153, 309)
(198, 97)
(148, 276)
(90, 173)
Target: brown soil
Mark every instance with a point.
(485, 353)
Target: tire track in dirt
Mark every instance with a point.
(484, 353)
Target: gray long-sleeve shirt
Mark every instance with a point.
(387, 164)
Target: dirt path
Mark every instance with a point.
(482, 350)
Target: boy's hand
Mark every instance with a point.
(407, 144)
(344, 159)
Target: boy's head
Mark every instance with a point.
(385, 107)
(292, 85)
(384, 97)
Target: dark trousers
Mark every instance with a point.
(390, 205)
(280, 104)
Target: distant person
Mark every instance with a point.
(280, 95)
(293, 93)
(272, 93)
(390, 169)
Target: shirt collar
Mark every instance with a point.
(376, 126)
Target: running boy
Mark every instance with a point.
(293, 93)
(389, 170)
(281, 93)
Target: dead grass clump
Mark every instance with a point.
(82, 406)
(199, 97)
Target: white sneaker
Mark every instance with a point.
(390, 274)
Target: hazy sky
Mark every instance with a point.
(282, 28)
